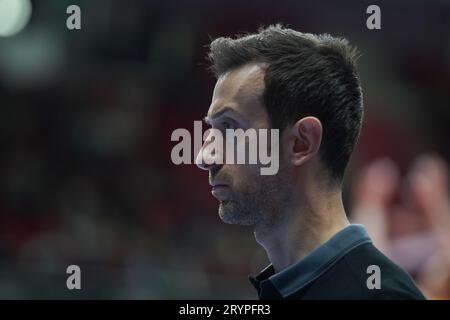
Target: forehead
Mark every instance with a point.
(240, 89)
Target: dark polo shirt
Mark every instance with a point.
(338, 269)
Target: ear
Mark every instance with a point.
(305, 137)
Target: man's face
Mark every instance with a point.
(246, 197)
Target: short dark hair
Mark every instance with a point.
(305, 75)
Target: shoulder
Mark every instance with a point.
(364, 273)
(377, 276)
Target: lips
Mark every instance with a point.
(218, 186)
(220, 190)
(218, 183)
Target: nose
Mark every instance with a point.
(206, 160)
(209, 157)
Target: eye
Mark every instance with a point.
(226, 125)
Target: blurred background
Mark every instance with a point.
(85, 122)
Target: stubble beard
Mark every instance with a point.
(257, 203)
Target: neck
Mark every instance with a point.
(306, 223)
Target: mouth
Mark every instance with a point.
(220, 190)
(219, 186)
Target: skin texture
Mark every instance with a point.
(295, 210)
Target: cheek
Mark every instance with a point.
(242, 174)
(246, 180)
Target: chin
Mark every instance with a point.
(230, 215)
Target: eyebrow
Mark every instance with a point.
(220, 113)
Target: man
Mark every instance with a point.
(307, 87)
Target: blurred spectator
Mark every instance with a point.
(415, 229)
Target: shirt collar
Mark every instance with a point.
(313, 265)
